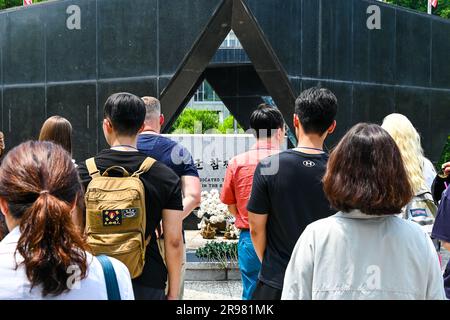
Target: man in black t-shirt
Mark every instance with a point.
(124, 115)
(287, 192)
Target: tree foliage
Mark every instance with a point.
(443, 8)
(190, 121)
(5, 4)
(228, 126)
(445, 157)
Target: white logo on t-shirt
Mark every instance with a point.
(309, 163)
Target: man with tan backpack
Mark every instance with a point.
(127, 195)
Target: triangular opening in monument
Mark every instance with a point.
(207, 108)
(201, 64)
(230, 92)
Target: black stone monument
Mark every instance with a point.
(66, 57)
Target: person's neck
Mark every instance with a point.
(310, 144)
(124, 144)
(272, 143)
(11, 224)
(150, 130)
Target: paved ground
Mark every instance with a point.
(212, 290)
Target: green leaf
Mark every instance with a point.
(443, 8)
(220, 252)
(445, 156)
(190, 119)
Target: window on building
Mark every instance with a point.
(231, 42)
(205, 93)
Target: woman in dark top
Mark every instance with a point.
(441, 228)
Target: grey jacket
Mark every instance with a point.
(357, 256)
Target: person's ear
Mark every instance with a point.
(107, 125)
(107, 130)
(296, 121)
(280, 133)
(4, 207)
(141, 128)
(161, 120)
(332, 127)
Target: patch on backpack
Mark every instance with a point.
(130, 213)
(112, 218)
(418, 213)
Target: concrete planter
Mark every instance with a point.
(211, 271)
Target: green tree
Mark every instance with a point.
(443, 8)
(5, 4)
(228, 126)
(445, 157)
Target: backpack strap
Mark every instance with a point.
(112, 287)
(92, 168)
(147, 241)
(116, 168)
(145, 166)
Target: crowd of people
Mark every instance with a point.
(366, 221)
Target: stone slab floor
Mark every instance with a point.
(212, 290)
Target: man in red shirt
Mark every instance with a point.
(268, 124)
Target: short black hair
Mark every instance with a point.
(126, 113)
(316, 109)
(265, 119)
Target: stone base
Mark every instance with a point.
(211, 271)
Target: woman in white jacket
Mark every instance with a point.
(365, 251)
(44, 256)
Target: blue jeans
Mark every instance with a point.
(249, 265)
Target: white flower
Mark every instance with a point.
(223, 208)
(215, 219)
(212, 205)
(202, 224)
(200, 213)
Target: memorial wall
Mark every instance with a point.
(66, 57)
(212, 153)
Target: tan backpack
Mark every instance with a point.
(116, 215)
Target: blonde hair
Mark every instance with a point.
(408, 141)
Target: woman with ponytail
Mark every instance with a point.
(44, 255)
